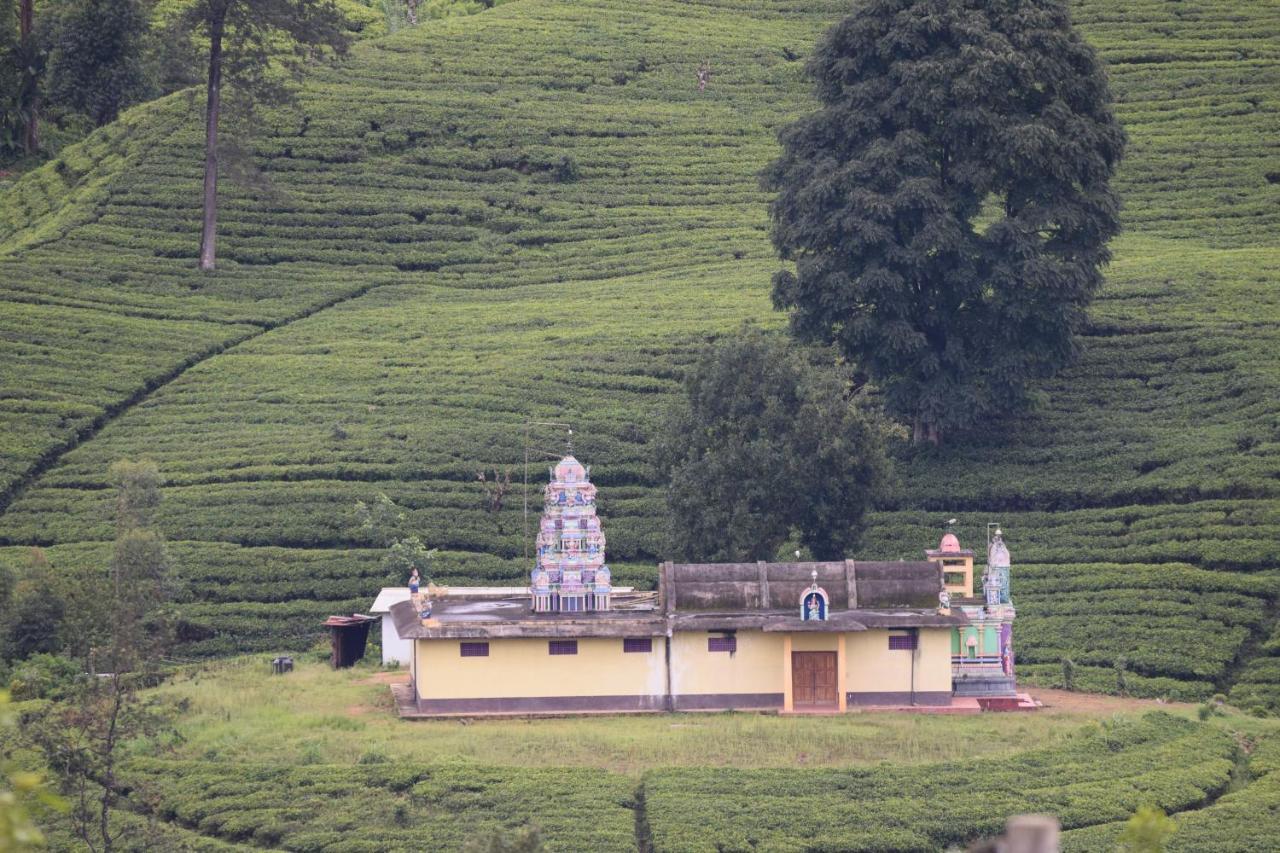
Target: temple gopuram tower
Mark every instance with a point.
(570, 575)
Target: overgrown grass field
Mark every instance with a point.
(532, 213)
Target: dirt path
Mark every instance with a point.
(1097, 703)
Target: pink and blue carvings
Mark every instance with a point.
(570, 575)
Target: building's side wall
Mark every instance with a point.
(394, 649)
(878, 675)
(413, 669)
(520, 676)
(751, 677)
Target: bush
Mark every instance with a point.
(45, 676)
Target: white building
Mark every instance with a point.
(395, 651)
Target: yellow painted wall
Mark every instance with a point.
(523, 667)
(873, 668)
(756, 667)
(807, 642)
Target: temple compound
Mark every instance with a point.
(792, 637)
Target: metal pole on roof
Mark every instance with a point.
(524, 530)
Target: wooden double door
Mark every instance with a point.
(813, 679)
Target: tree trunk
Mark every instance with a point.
(109, 756)
(411, 10)
(209, 230)
(923, 431)
(26, 25)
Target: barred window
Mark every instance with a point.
(637, 644)
(475, 650)
(562, 647)
(727, 643)
(902, 642)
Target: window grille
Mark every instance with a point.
(902, 642)
(562, 647)
(475, 650)
(637, 644)
(722, 644)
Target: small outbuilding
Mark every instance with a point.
(395, 650)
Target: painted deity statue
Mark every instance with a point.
(998, 570)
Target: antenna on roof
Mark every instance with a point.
(524, 530)
(990, 525)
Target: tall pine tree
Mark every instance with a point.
(948, 207)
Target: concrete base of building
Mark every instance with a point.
(410, 707)
(957, 705)
(727, 702)
(899, 698)
(984, 685)
(1020, 702)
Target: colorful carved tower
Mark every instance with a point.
(570, 575)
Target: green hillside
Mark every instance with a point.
(532, 213)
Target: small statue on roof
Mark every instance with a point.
(414, 582)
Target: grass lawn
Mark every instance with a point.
(238, 711)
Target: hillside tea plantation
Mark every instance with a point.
(533, 213)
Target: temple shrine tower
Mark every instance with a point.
(570, 575)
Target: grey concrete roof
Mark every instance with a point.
(849, 584)
(512, 617)
(703, 597)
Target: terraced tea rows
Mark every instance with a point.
(1101, 776)
(533, 213)
(1098, 776)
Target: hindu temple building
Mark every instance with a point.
(797, 637)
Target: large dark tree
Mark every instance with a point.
(250, 43)
(949, 205)
(21, 65)
(96, 56)
(763, 445)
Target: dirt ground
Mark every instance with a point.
(389, 677)
(1096, 703)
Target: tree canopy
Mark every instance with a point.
(764, 445)
(948, 206)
